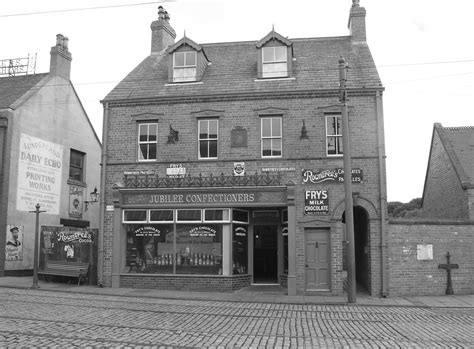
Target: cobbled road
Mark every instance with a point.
(35, 318)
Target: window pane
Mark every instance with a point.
(149, 249)
(212, 149)
(190, 58)
(189, 215)
(203, 128)
(266, 147)
(143, 131)
(152, 130)
(212, 128)
(266, 127)
(331, 141)
(152, 151)
(280, 54)
(275, 70)
(276, 127)
(216, 215)
(199, 249)
(240, 216)
(134, 216)
(268, 54)
(203, 149)
(339, 145)
(239, 249)
(179, 59)
(276, 147)
(161, 215)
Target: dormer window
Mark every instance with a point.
(274, 62)
(184, 66)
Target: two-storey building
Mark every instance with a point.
(222, 165)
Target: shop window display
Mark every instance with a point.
(239, 249)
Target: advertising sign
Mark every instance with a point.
(239, 168)
(14, 243)
(176, 171)
(330, 176)
(76, 195)
(147, 231)
(39, 175)
(316, 201)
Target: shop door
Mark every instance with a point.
(265, 254)
(318, 273)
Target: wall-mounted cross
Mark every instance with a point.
(448, 267)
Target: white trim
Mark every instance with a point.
(274, 79)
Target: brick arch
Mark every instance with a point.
(357, 201)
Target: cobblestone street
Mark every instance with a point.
(38, 318)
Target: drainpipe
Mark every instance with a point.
(100, 257)
(383, 190)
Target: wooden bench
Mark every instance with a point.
(67, 269)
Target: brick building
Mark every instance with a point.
(49, 155)
(449, 182)
(222, 165)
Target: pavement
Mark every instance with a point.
(256, 293)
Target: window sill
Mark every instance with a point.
(75, 182)
(182, 83)
(275, 79)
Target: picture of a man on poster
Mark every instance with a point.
(14, 240)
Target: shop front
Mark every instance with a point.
(219, 239)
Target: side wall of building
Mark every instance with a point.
(413, 275)
(444, 198)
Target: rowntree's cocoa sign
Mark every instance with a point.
(330, 176)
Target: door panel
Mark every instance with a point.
(318, 274)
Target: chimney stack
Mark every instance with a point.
(357, 22)
(60, 64)
(162, 34)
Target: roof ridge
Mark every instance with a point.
(459, 128)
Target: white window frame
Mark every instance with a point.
(208, 140)
(336, 136)
(186, 67)
(272, 137)
(225, 217)
(185, 221)
(274, 62)
(161, 222)
(148, 143)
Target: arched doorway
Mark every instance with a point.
(362, 248)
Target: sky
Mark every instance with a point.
(422, 48)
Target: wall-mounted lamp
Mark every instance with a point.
(304, 132)
(94, 198)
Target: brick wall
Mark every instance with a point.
(410, 276)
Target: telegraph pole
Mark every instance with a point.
(35, 265)
(349, 214)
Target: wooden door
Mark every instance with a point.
(318, 272)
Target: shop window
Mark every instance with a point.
(216, 215)
(199, 249)
(147, 141)
(150, 249)
(239, 249)
(161, 216)
(76, 165)
(134, 216)
(333, 135)
(208, 136)
(189, 216)
(271, 132)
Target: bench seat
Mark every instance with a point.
(68, 269)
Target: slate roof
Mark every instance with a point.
(459, 144)
(13, 88)
(233, 70)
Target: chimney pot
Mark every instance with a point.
(65, 43)
(162, 33)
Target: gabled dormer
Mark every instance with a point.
(187, 61)
(275, 56)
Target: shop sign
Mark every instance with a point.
(76, 195)
(239, 168)
(140, 173)
(424, 252)
(278, 169)
(240, 231)
(316, 201)
(176, 171)
(147, 231)
(202, 232)
(330, 176)
(74, 236)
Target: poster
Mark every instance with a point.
(14, 243)
(76, 195)
(39, 174)
(316, 201)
